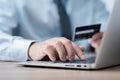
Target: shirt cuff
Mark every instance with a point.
(19, 50)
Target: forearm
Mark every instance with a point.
(13, 48)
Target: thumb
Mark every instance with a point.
(94, 44)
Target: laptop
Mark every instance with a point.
(108, 54)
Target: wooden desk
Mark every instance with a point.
(12, 71)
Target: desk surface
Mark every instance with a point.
(12, 71)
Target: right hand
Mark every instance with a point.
(56, 48)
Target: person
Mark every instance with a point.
(31, 30)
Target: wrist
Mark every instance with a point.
(30, 51)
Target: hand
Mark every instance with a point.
(56, 48)
(95, 41)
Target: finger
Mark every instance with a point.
(41, 55)
(97, 36)
(90, 40)
(51, 52)
(94, 44)
(79, 52)
(82, 48)
(69, 48)
(61, 51)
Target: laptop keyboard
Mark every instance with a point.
(88, 60)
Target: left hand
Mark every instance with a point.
(95, 41)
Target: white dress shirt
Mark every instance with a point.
(25, 21)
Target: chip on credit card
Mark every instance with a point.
(85, 32)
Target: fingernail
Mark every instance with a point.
(53, 59)
(72, 58)
(83, 57)
(63, 59)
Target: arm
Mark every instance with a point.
(12, 48)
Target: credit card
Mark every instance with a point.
(85, 32)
